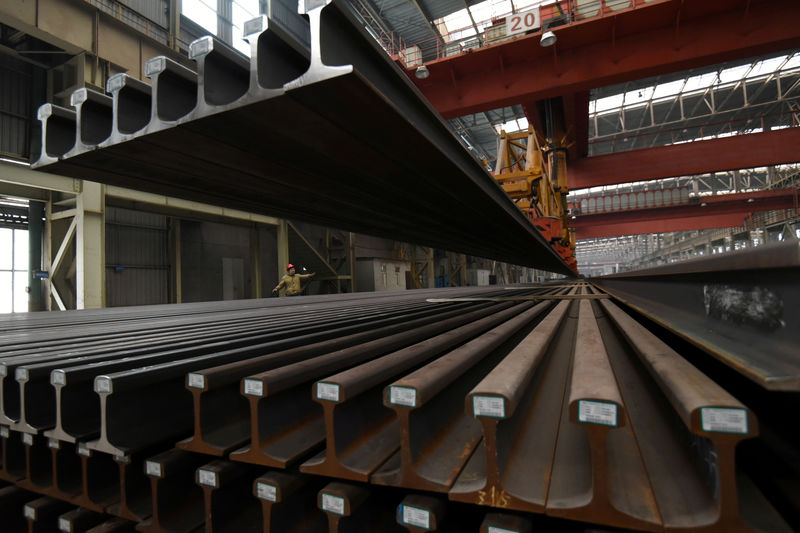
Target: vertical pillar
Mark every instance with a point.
(352, 261)
(283, 247)
(177, 265)
(737, 181)
(35, 211)
(430, 268)
(224, 18)
(91, 247)
(462, 260)
(255, 263)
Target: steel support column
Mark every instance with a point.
(90, 247)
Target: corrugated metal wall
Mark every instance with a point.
(155, 10)
(137, 258)
(16, 83)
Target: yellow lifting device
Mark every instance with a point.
(536, 180)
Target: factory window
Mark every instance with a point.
(224, 19)
(13, 270)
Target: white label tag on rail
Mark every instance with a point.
(265, 491)
(29, 512)
(64, 525)
(602, 413)
(414, 516)
(254, 387)
(403, 396)
(723, 420)
(153, 468)
(4, 432)
(196, 381)
(333, 504)
(27, 438)
(491, 406)
(207, 478)
(328, 391)
(495, 529)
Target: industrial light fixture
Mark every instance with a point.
(422, 72)
(548, 39)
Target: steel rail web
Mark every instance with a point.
(353, 146)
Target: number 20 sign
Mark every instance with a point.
(520, 22)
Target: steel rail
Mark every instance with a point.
(286, 423)
(12, 503)
(738, 307)
(335, 86)
(288, 503)
(177, 502)
(518, 404)
(436, 437)
(360, 432)
(79, 520)
(33, 380)
(419, 513)
(221, 414)
(227, 496)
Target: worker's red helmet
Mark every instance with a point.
(289, 266)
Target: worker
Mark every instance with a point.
(292, 281)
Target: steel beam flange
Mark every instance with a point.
(58, 133)
(132, 103)
(94, 112)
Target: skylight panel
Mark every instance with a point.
(668, 89)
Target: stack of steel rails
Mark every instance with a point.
(455, 410)
(318, 124)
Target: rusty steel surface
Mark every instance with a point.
(740, 307)
(328, 79)
(546, 407)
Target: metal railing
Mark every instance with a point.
(494, 30)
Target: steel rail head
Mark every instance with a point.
(132, 102)
(504, 523)
(342, 499)
(174, 92)
(499, 393)
(94, 114)
(287, 500)
(12, 502)
(58, 133)
(44, 510)
(418, 513)
(176, 499)
(594, 398)
(227, 496)
(114, 525)
(79, 519)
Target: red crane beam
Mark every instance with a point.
(686, 159)
(656, 38)
(706, 212)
